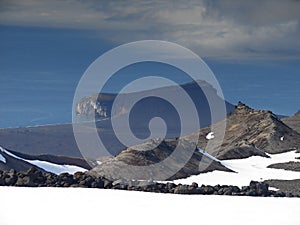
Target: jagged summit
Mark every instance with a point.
(250, 132)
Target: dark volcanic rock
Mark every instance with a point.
(249, 132)
(290, 187)
(35, 178)
(293, 166)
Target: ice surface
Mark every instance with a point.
(49, 206)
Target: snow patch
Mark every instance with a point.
(208, 155)
(2, 158)
(210, 135)
(273, 189)
(253, 168)
(47, 166)
(282, 138)
(55, 168)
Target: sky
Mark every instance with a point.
(251, 46)
(221, 29)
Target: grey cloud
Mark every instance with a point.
(254, 12)
(212, 28)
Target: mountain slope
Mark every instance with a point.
(293, 121)
(250, 132)
(116, 168)
(13, 160)
(8, 162)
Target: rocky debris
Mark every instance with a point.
(293, 121)
(289, 187)
(36, 178)
(249, 132)
(150, 153)
(292, 166)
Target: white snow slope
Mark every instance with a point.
(51, 206)
(50, 167)
(253, 168)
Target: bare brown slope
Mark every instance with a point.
(114, 168)
(250, 132)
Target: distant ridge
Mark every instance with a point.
(293, 121)
(59, 139)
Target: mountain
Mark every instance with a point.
(293, 121)
(150, 106)
(59, 139)
(249, 132)
(155, 151)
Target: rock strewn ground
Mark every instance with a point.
(293, 166)
(36, 178)
(291, 187)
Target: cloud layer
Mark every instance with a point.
(212, 28)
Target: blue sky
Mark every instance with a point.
(251, 46)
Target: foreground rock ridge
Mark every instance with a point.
(139, 155)
(37, 178)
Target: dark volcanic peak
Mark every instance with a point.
(155, 151)
(250, 132)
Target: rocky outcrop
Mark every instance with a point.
(151, 153)
(249, 132)
(289, 187)
(97, 104)
(292, 166)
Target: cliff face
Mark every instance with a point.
(100, 105)
(250, 132)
